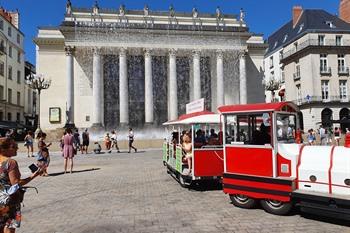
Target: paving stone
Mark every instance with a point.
(133, 193)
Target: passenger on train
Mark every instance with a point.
(174, 141)
(213, 138)
(199, 140)
(187, 148)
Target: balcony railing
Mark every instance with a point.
(342, 70)
(325, 70)
(320, 99)
(314, 42)
(296, 76)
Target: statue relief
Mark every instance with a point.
(194, 12)
(146, 10)
(218, 13)
(241, 15)
(95, 9)
(122, 10)
(68, 7)
(171, 11)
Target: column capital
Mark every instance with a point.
(148, 52)
(219, 53)
(122, 51)
(69, 50)
(196, 53)
(243, 53)
(172, 52)
(96, 50)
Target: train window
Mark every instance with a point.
(286, 128)
(252, 129)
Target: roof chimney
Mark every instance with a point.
(344, 10)
(297, 10)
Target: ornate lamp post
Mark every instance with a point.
(37, 82)
(272, 85)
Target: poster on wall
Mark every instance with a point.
(55, 115)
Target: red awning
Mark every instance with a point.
(261, 107)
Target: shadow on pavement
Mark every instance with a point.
(327, 219)
(204, 186)
(77, 171)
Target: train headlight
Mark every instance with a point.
(313, 178)
(347, 181)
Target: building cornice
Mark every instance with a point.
(48, 41)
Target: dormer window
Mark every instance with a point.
(330, 24)
(301, 27)
(285, 38)
(275, 45)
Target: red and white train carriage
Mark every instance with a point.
(262, 162)
(207, 158)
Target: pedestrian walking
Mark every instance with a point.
(298, 136)
(311, 137)
(28, 142)
(323, 135)
(68, 150)
(337, 135)
(76, 141)
(86, 141)
(114, 141)
(108, 142)
(131, 140)
(42, 144)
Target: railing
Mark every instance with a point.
(325, 70)
(320, 99)
(296, 76)
(314, 42)
(342, 70)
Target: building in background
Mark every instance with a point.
(119, 67)
(310, 57)
(16, 100)
(30, 106)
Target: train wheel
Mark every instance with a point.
(276, 207)
(242, 201)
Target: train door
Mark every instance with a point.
(249, 144)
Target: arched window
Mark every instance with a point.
(326, 117)
(344, 117)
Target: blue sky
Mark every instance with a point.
(263, 16)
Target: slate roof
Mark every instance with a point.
(310, 21)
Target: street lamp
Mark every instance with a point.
(37, 82)
(272, 85)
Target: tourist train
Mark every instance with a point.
(206, 159)
(264, 161)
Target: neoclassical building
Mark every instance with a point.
(115, 67)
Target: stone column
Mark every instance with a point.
(196, 75)
(70, 84)
(148, 88)
(172, 85)
(123, 88)
(220, 99)
(242, 79)
(97, 89)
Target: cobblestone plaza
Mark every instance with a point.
(133, 193)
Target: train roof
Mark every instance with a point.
(204, 117)
(260, 107)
